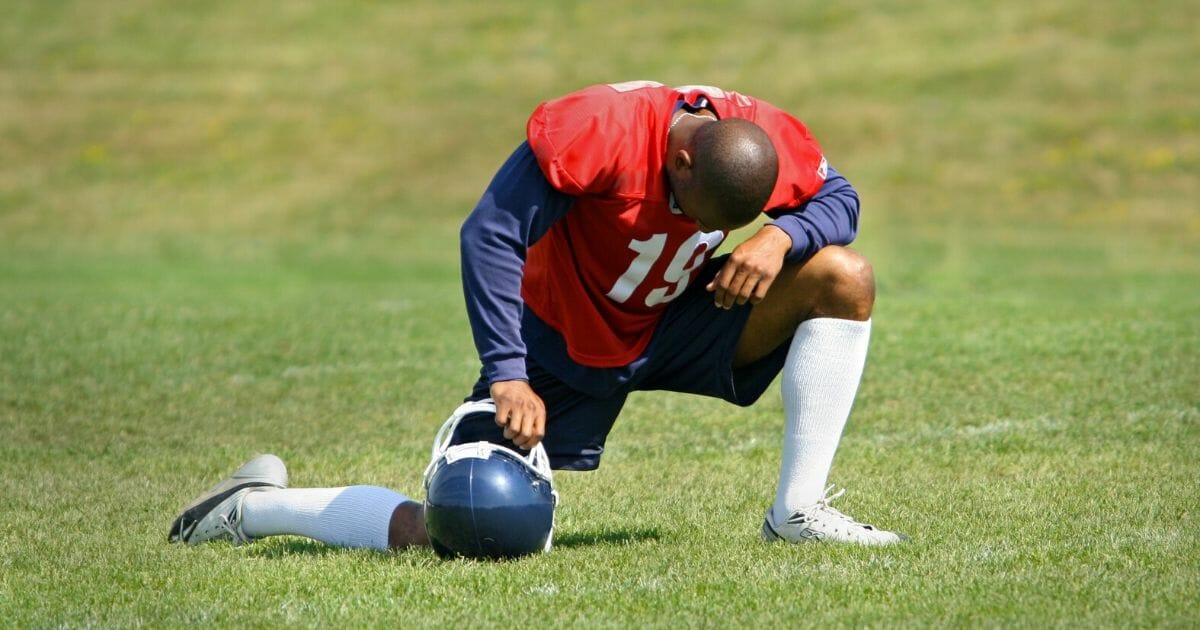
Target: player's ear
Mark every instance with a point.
(682, 160)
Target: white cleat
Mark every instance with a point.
(217, 514)
(821, 523)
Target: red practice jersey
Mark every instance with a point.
(605, 272)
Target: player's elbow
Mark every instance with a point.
(477, 233)
(847, 199)
(471, 228)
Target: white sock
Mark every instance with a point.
(354, 516)
(820, 381)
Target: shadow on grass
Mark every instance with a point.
(290, 546)
(607, 537)
(285, 546)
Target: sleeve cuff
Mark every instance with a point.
(506, 370)
(794, 228)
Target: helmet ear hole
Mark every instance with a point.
(485, 501)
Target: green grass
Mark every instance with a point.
(228, 228)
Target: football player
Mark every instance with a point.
(588, 273)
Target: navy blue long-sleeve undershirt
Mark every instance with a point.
(520, 206)
(829, 218)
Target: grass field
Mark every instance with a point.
(230, 227)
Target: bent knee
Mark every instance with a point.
(847, 283)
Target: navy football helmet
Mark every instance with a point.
(483, 500)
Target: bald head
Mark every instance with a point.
(735, 166)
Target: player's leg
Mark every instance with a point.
(814, 326)
(821, 310)
(407, 526)
(255, 502)
(360, 517)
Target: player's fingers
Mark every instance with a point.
(744, 291)
(726, 275)
(503, 411)
(533, 426)
(509, 432)
(539, 425)
(732, 287)
(516, 425)
(760, 290)
(508, 415)
(539, 432)
(718, 292)
(511, 418)
(530, 433)
(720, 284)
(740, 288)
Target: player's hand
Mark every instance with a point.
(520, 411)
(751, 268)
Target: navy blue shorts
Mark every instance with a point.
(691, 352)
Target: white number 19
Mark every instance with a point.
(691, 254)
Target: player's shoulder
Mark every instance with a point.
(625, 92)
(611, 103)
(585, 139)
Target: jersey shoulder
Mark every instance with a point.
(590, 141)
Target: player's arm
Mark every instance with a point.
(518, 207)
(830, 217)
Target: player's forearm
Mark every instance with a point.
(492, 289)
(492, 258)
(829, 218)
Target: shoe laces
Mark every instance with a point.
(824, 502)
(823, 505)
(232, 523)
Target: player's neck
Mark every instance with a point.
(685, 123)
